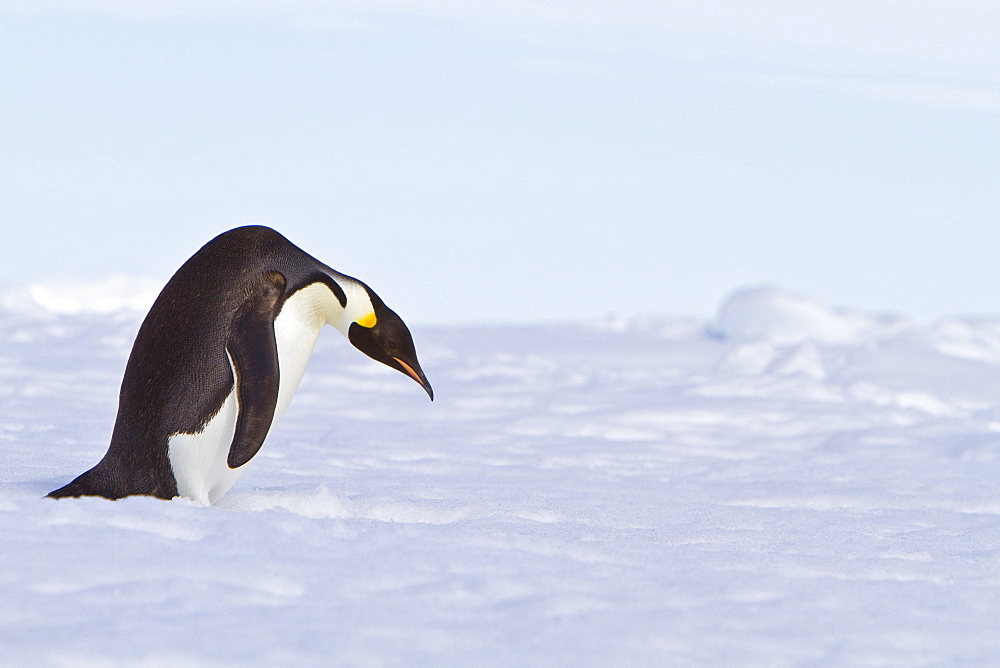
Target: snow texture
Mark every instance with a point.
(785, 485)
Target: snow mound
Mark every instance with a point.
(977, 339)
(771, 314)
(65, 295)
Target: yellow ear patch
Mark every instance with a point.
(368, 321)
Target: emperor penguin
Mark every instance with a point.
(219, 356)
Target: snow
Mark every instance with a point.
(785, 484)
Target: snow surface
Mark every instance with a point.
(784, 485)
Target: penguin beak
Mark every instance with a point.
(417, 375)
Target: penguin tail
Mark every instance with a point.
(99, 481)
(83, 485)
(62, 492)
(95, 482)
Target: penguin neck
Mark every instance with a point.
(298, 326)
(315, 305)
(358, 308)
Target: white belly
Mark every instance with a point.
(200, 461)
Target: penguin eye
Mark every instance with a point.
(391, 345)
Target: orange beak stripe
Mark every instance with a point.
(409, 370)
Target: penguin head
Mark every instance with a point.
(383, 336)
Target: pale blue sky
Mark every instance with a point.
(516, 161)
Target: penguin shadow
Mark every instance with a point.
(321, 503)
(310, 501)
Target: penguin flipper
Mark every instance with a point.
(254, 353)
